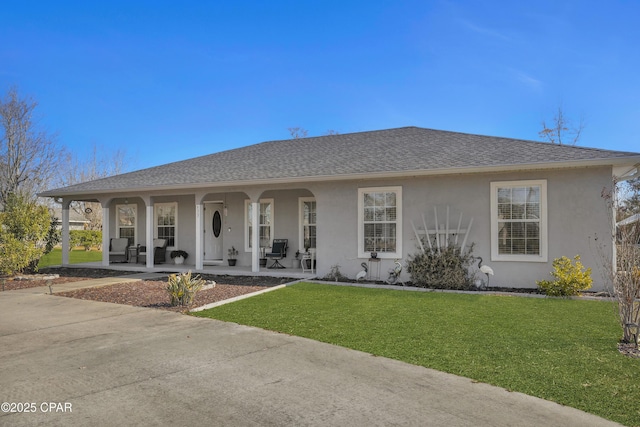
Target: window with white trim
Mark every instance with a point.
(519, 221)
(265, 222)
(307, 222)
(166, 223)
(126, 222)
(380, 222)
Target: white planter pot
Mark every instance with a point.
(179, 260)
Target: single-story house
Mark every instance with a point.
(76, 221)
(521, 203)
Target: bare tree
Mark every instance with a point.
(562, 130)
(298, 132)
(622, 273)
(332, 132)
(29, 156)
(630, 205)
(99, 164)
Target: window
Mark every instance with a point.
(380, 222)
(307, 222)
(519, 221)
(265, 221)
(167, 223)
(126, 222)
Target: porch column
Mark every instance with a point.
(149, 231)
(65, 232)
(199, 234)
(255, 237)
(105, 232)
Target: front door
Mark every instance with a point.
(213, 231)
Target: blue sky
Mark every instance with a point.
(172, 80)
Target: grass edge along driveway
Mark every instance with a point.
(556, 349)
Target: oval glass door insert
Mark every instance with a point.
(217, 224)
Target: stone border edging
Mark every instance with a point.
(389, 287)
(241, 297)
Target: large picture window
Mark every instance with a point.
(380, 222)
(126, 222)
(166, 217)
(518, 221)
(307, 222)
(265, 222)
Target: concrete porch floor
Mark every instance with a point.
(169, 267)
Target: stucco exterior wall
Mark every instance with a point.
(576, 213)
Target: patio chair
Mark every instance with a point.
(118, 249)
(159, 252)
(278, 251)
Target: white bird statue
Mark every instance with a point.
(362, 274)
(485, 269)
(394, 273)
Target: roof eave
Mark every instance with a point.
(632, 161)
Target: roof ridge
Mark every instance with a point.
(387, 151)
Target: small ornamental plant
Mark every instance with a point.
(233, 253)
(183, 287)
(178, 253)
(570, 278)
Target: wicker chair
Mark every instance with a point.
(159, 252)
(118, 249)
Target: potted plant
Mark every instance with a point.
(178, 256)
(233, 255)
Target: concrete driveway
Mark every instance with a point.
(78, 363)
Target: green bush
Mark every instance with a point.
(447, 269)
(85, 238)
(570, 278)
(24, 226)
(182, 288)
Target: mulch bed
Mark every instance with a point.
(146, 293)
(153, 294)
(630, 350)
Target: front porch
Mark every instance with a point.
(208, 225)
(238, 270)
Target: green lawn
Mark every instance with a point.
(76, 256)
(557, 349)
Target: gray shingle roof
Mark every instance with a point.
(393, 151)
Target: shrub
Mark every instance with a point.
(444, 269)
(570, 278)
(334, 274)
(85, 238)
(23, 232)
(182, 288)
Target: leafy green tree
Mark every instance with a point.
(24, 227)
